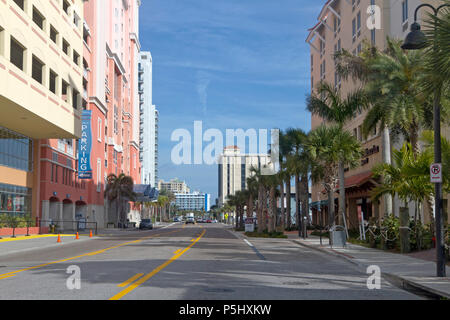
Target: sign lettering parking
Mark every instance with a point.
(436, 173)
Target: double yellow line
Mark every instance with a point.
(136, 284)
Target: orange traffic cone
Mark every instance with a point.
(90, 233)
(59, 238)
(77, 237)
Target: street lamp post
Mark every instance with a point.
(416, 40)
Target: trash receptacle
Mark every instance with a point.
(337, 236)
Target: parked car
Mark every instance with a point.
(209, 221)
(176, 219)
(146, 224)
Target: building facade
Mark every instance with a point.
(109, 45)
(174, 185)
(195, 201)
(41, 69)
(148, 131)
(346, 25)
(235, 168)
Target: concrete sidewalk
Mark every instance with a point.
(401, 269)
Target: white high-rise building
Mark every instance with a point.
(148, 134)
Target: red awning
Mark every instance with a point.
(355, 180)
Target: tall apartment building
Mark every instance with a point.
(343, 24)
(148, 130)
(108, 73)
(195, 201)
(235, 168)
(40, 94)
(174, 185)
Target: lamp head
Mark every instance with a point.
(415, 39)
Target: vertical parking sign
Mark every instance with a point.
(84, 146)
(436, 173)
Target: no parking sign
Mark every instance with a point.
(436, 173)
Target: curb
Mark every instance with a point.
(394, 279)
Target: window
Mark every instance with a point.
(38, 18)
(66, 6)
(65, 91)
(17, 54)
(404, 11)
(2, 45)
(65, 47)
(52, 81)
(99, 138)
(76, 19)
(53, 34)
(358, 19)
(20, 4)
(354, 29)
(16, 150)
(37, 69)
(75, 97)
(76, 58)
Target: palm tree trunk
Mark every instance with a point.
(305, 203)
(260, 209)
(297, 203)
(331, 207)
(386, 145)
(288, 202)
(342, 206)
(282, 207)
(271, 213)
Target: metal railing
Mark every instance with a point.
(60, 226)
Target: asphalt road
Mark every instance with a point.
(198, 262)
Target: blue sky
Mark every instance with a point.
(229, 63)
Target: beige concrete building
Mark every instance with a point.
(174, 185)
(41, 47)
(235, 168)
(346, 24)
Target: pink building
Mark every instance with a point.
(110, 92)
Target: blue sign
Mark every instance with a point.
(85, 146)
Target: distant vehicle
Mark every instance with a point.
(190, 220)
(209, 221)
(146, 224)
(214, 221)
(176, 219)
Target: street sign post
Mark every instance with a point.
(436, 173)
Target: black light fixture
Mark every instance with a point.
(415, 39)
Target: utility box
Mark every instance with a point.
(338, 237)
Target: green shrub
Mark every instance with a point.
(266, 234)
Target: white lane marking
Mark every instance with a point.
(169, 225)
(248, 243)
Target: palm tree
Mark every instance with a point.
(408, 177)
(330, 106)
(119, 189)
(328, 146)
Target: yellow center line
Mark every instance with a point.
(83, 255)
(124, 284)
(177, 251)
(155, 271)
(11, 275)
